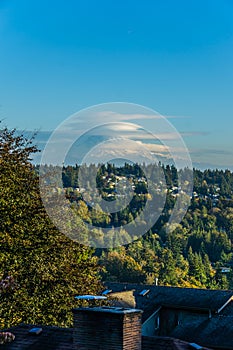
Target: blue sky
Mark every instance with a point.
(57, 57)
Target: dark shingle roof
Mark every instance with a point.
(52, 338)
(55, 338)
(174, 297)
(164, 343)
(216, 332)
(228, 310)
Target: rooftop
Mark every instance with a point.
(55, 338)
(51, 338)
(174, 297)
(216, 332)
(165, 343)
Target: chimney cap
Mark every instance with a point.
(108, 309)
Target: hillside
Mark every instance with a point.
(198, 253)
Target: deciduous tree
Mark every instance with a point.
(48, 268)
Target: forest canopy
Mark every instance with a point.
(198, 253)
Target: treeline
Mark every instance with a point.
(198, 253)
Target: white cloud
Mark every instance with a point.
(122, 127)
(133, 116)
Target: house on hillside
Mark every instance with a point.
(195, 315)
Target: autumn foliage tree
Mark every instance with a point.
(47, 267)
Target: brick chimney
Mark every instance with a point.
(107, 328)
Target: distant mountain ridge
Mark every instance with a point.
(87, 143)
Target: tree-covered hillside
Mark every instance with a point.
(41, 269)
(198, 253)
